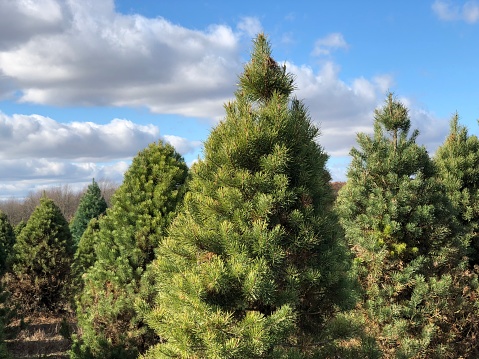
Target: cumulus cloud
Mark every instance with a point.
(251, 26)
(341, 110)
(327, 44)
(432, 130)
(182, 145)
(451, 11)
(39, 151)
(23, 136)
(85, 53)
(22, 20)
(30, 175)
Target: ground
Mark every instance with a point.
(41, 337)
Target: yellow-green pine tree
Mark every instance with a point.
(254, 265)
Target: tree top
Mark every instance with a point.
(262, 76)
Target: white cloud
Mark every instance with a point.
(451, 11)
(251, 26)
(340, 110)
(30, 175)
(84, 53)
(38, 151)
(87, 54)
(35, 136)
(327, 44)
(182, 145)
(22, 20)
(432, 130)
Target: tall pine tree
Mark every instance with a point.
(92, 205)
(42, 259)
(254, 265)
(458, 163)
(123, 245)
(407, 245)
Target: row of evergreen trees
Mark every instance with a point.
(249, 255)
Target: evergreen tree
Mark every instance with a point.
(5, 316)
(42, 258)
(92, 204)
(458, 163)
(254, 265)
(85, 255)
(18, 228)
(407, 245)
(7, 240)
(123, 244)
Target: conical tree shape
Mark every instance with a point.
(92, 205)
(84, 257)
(42, 259)
(458, 163)
(253, 266)
(124, 243)
(7, 240)
(408, 248)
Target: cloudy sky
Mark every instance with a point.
(86, 84)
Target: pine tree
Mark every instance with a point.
(18, 228)
(458, 163)
(85, 255)
(254, 265)
(4, 318)
(123, 245)
(7, 240)
(42, 258)
(407, 245)
(92, 205)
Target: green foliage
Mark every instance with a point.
(407, 244)
(5, 317)
(254, 265)
(457, 161)
(18, 228)
(121, 244)
(92, 205)
(42, 259)
(84, 257)
(7, 240)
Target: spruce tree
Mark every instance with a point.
(458, 163)
(408, 247)
(254, 265)
(123, 245)
(92, 204)
(42, 258)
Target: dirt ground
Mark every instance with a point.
(40, 337)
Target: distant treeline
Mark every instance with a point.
(67, 199)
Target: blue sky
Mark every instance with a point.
(86, 84)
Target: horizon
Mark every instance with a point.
(86, 85)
